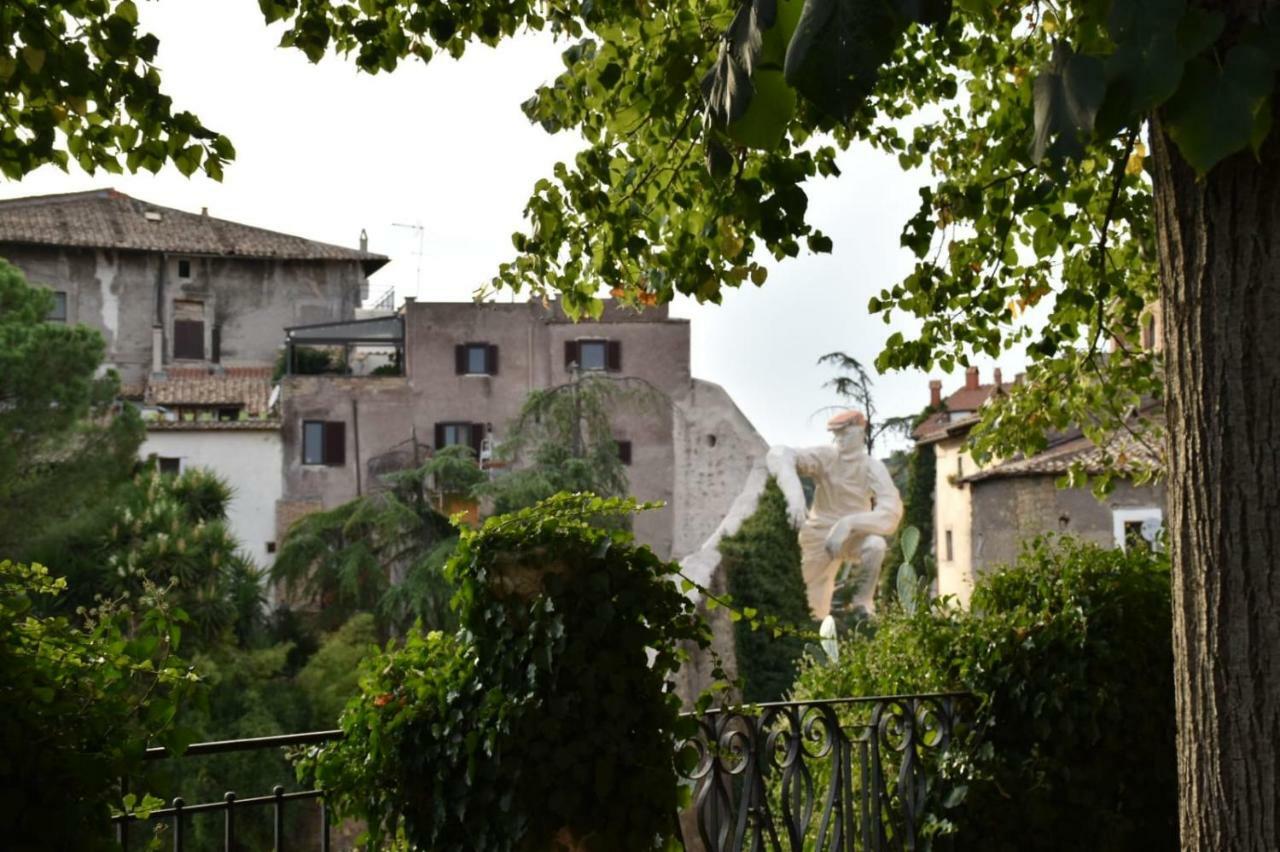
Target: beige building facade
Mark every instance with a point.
(983, 514)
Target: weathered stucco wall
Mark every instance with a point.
(715, 447)
(248, 460)
(251, 300)
(668, 418)
(1008, 511)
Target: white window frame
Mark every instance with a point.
(1129, 514)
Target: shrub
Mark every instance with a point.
(1068, 655)
(762, 564)
(79, 706)
(550, 716)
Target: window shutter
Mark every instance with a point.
(493, 359)
(439, 436)
(624, 452)
(477, 437)
(188, 339)
(614, 363)
(215, 344)
(570, 353)
(335, 443)
(459, 359)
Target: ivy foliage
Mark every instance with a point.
(1068, 653)
(549, 716)
(79, 84)
(762, 563)
(64, 444)
(81, 702)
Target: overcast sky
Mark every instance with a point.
(324, 151)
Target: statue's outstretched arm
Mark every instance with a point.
(783, 465)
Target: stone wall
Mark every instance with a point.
(250, 300)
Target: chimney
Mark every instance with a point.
(998, 379)
(364, 240)
(204, 211)
(935, 392)
(971, 378)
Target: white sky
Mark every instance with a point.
(323, 151)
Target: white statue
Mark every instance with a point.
(855, 508)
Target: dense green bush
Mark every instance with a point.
(762, 563)
(78, 704)
(551, 715)
(1068, 654)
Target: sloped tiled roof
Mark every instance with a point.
(958, 413)
(246, 386)
(1124, 452)
(260, 425)
(109, 219)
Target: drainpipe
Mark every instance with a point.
(355, 439)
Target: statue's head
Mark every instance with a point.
(849, 430)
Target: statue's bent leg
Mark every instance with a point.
(865, 575)
(818, 568)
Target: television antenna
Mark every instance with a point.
(417, 277)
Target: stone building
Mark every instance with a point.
(984, 513)
(167, 288)
(192, 309)
(467, 370)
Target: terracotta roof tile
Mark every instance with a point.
(246, 386)
(959, 406)
(109, 219)
(263, 425)
(1123, 451)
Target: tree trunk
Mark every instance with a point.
(1219, 244)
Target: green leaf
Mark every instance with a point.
(910, 542)
(837, 51)
(1218, 112)
(1066, 96)
(908, 584)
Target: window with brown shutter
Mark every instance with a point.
(324, 442)
(455, 433)
(570, 353)
(624, 452)
(475, 359)
(614, 362)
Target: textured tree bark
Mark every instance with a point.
(1219, 245)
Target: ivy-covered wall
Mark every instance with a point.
(762, 563)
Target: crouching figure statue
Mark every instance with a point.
(856, 507)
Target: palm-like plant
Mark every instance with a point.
(382, 552)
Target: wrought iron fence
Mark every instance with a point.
(178, 815)
(832, 776)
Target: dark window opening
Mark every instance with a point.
(476, 359)
(188, 330)
(324, 442)
(1149, 332)
(624, 452)
(184, 269)
(950, 554)
(168, 465)
(229, 412)
(58, 313)
(711, 440)
(271, 547)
